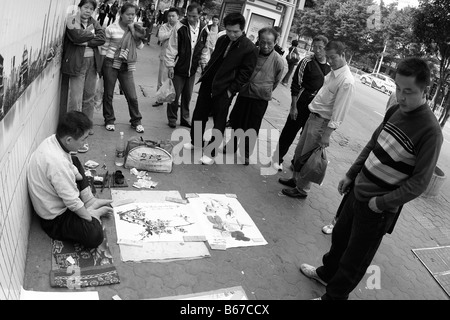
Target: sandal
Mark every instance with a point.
(84, 148)
(139, 128)
(110, 127)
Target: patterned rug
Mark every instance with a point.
(74, 266)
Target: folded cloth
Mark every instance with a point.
(127, 51)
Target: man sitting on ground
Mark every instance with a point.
(60, 192)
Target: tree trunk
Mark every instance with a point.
(350, 60)
(447, 115)
(433, 101)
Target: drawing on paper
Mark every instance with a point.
(146, 222)
(226, 221)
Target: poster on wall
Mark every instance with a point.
(30, 40)
(256, 23)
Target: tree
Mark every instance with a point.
(431, 23)
(342, 20)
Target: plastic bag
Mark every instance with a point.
(98, 98)
(315, 167)
(166, 92)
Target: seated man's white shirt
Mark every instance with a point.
(51, 179)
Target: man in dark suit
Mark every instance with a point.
(230, 67)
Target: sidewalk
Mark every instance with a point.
(291, 227)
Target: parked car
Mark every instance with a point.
(379, 81)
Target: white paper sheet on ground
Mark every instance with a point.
(225, 222)
(164, 251)
(42, 295)
(158, 251)
(138, 223)
(233, 293)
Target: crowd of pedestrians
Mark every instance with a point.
(393, 168)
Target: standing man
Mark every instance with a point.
(183, 55)
(308, 79)
(394, 168)
(251, 103)
(213, 35)
(229, 69)
(164, 32)
(60, 192)
(328, 110)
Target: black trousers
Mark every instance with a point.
(354, 242)
(218, 106)
(70, 227)
(247, 114)
(292, 127)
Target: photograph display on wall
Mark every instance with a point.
(25, 54)
(256, 23)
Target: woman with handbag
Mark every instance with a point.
(122, 39)
(82, 60)
(292, 58)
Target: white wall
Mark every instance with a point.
(30, 44)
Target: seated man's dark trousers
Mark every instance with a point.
(70, 227)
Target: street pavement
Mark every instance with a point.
(292, 227)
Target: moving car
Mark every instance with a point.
(379, 81)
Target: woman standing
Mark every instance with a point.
(122, 39)
(82, 60)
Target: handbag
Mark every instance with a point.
(315, 167)
(149, 155)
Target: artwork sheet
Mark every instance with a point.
(156, 222)
(225, 222)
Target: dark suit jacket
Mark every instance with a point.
(237, 67)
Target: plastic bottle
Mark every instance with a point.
(120, 151)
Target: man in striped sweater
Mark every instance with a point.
(394, 168)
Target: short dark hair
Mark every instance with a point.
(321, 38)
(294, 43)
(234, 18)
(173, 9)
(268, 30)
(126, 6)
(73, 124)
(415, 67)
(337, 46)
(215, 17)
(192, 6)
(83, 2)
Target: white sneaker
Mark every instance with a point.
(328, 229)
(311, 273)
(277, 166)
(188, 146)
(206, 160)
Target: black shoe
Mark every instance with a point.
(228, 124)
(246, 161)
(185, 124)
(294, 193)
(172, 125)
(287, 182)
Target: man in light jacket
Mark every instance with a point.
(253, 99)
(183, 55)
(164, 33)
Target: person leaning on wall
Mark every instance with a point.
(82, 60)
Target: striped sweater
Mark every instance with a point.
(398, 162)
